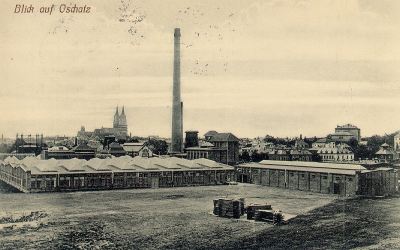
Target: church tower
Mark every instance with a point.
(123, 125)
(116, 119)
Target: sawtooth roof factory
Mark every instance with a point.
(34, 175)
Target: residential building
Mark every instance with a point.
(137, 149)
(335, 154)
(347, 128)
(115, 149)
(386, 153)
(323, 142)
(341, 136)
(332, 151)
(81, 151)
(290, 155)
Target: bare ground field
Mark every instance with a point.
(175, 218)
(343, 224)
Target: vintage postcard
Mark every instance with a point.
(183, 124)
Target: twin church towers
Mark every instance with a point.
(120, 120)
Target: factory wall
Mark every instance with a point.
(341, 184)
(378, 183)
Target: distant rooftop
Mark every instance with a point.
(223, 137)
(342, 133)
(210, 133)
(348, 125)
(317, 167)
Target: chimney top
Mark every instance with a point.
(177, 32)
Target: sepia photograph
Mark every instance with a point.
(199, 124)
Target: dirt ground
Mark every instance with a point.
(342, 224)
(176, 218)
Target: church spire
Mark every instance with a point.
(116, 119)
(122, 120)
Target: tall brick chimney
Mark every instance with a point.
(177, 119)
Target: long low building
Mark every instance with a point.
(334, 178)
(35, 175)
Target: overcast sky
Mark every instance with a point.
(252, 67)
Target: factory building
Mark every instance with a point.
(35, 175)
(220, 147)
(329, 178)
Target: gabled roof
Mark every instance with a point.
(83, 147)
(384, 151)
(116, 147)
(133, 146)
(302, 143)
(211, 133)
(323, 140)
(116, 164)
(58, 148)
(223, 137)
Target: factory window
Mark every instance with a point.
(337, 178)
(291, 174)
(302, 175)
(313, 176)
(350, 179)
(324, 177)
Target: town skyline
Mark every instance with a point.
(247, 68)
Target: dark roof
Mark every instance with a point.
(302, 143)
(323, 140)
(115, 145)
(223, 137)
(83, 147)
(211, 133)
(346, 126)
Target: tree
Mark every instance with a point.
(353, 143)
(316, 157)
(6, 148)
(256, 157)
(363, 152)
(132, 139)
(159, 147)
(245, 156)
